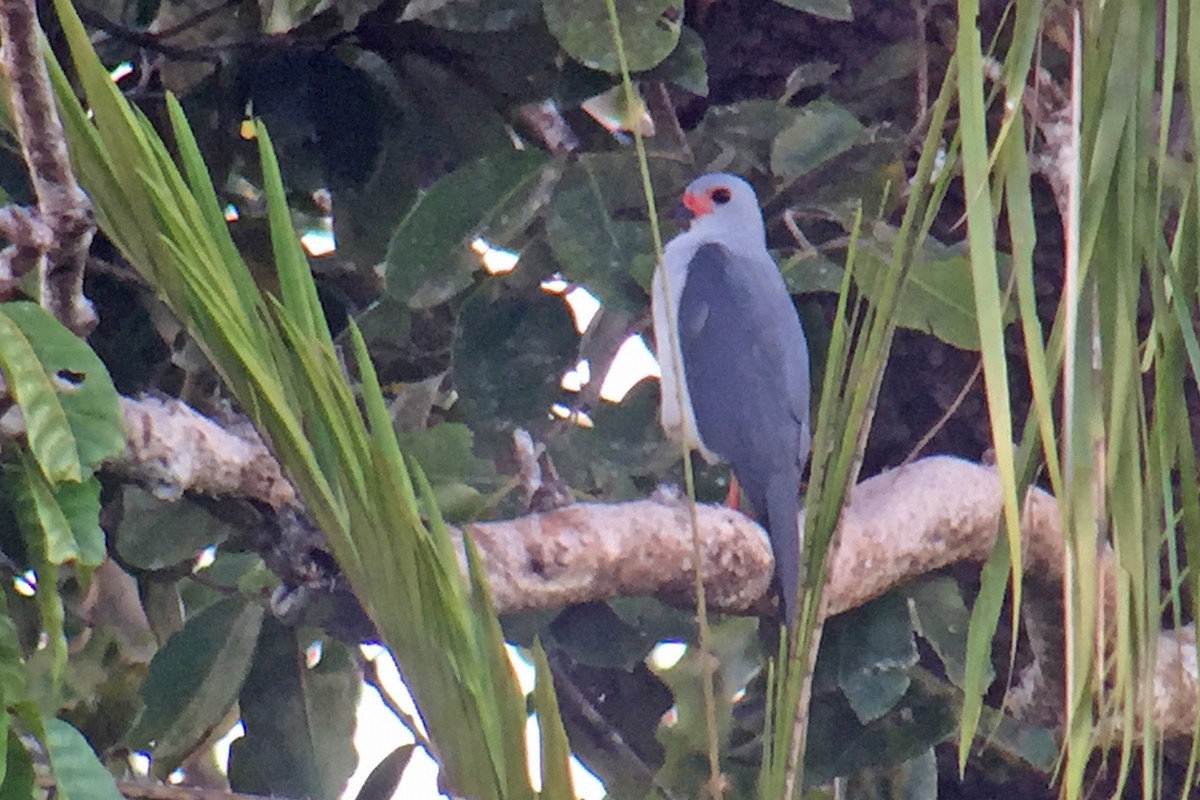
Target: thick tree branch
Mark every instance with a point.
(54, 237)
(597, 551)
(898, 526)
(171, 449)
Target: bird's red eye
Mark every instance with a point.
(721, 195)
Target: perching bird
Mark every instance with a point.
(739, 351)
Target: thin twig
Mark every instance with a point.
(941, 423)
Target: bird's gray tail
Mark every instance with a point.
(783, 511)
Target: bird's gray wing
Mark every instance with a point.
(746, 364)
(746, 367)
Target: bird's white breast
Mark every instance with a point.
(675, 407)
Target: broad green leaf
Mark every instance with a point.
(509, 358)
(78, 773)
(625, 439)
(18, 770)
(429, 259)
(914, 779)
(919, 720)
(805, 273)
(741, 133)
(940, 616)
(1036, 745)
(821, 131)
(65, 394)
(444, 451)
(299, 720)
(649, 30)
(474, 16)
(155, 534)
(12, 670)
(40, 516)
(829, 9)
(64, 518)
(875, 649)
(81, 383)
(938, 296)
(6, 725)
(80, 504)
(195, 678)
(49, 432)
(597, 224)
(593, 635)
(687, 66)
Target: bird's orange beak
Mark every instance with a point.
(698, 204)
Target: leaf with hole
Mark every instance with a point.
(65, 394)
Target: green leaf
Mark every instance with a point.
(805, 273)
(938, 296)
(444, 451)
(940, 616)
(12, 671)
(625, 439)
(19, 777)
(593, 635)
(687, 66)
(821, 131)
(78, 773)
(829, 9)
(914, 779)
(68, 400)
(195, 678)
(381, 784)
(474, 16)
(299, 720)
(429, 259)
(154, 534)
(597, 224)
(63, 518)
(509, 358)
(839, 744)
(741, 133)
(80, 507)
(648, 28)
(875, 651)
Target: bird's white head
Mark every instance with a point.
(724, 207)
